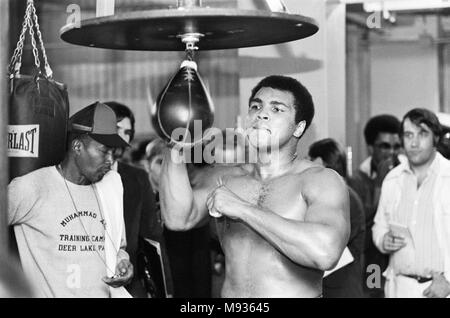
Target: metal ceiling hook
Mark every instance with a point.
(191, 39)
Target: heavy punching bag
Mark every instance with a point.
(184, 108)
(38, 109)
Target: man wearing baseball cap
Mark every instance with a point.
(96, 121)
(68, 219)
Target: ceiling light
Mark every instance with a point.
(405, 5)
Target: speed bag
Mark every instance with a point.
(184, 108)
(37, 128)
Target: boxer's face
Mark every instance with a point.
(418, 142)
(271, 117)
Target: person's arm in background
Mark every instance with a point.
(382, 237)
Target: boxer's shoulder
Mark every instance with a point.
(306, 168)
(320, 182)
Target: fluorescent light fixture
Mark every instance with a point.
(276, 6)
(405, 5)
(105, 8)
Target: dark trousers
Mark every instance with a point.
(190, 262)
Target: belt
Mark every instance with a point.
(420, 279)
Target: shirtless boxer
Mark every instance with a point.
(281, 224)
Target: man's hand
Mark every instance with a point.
(439, 288)
(222, 201)
(123, 275)
(392, 243)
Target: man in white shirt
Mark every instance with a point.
(412, 223)
(68, 218)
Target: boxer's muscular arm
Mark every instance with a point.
(316, 242)
(327, 217)
(182, 207)
(320, 239)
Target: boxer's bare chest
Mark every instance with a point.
(282, 195)
(253, 262)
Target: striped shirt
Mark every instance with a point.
(415, 210)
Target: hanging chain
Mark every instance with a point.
(16, 60)
(30, 21)
(190, 40)
(48, 70)
(190, 54)
(37, 62)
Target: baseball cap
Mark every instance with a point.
(100, 123)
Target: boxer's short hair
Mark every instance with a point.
(303, 101)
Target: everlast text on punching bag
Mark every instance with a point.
(38, 109)
(184, 109)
